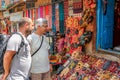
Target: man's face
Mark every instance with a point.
(44, 28)
(30, 28)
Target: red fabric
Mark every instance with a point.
(32, 14)
(26, 13)
(41, 11)
(47, 10)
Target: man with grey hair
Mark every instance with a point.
(17, 60)
(40, 68)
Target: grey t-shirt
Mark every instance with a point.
(22, 61)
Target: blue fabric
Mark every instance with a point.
(53, 18)
(61, 17)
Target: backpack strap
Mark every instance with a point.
(22, 42)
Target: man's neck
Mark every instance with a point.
(23, 32)
(38, 33)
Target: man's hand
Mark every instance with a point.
(3, 77)
(7, 60)
(51, 68)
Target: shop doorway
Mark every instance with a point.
(116, 34)
(108, 34)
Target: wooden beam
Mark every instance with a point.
(16, 4)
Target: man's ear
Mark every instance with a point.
(26, 24)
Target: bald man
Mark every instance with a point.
(17, 65)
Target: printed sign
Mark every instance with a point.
(16, 16)
(6, 14)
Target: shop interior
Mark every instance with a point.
(116, 33)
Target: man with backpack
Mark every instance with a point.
(17, 58)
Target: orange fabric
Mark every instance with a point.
(36, 16)
(32, 14)
(43, 11)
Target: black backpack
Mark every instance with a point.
(3, 45)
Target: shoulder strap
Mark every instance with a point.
(39, 46)
(22, 42)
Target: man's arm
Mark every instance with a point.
(51, 67)
(7, 62)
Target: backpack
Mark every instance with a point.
(3, 45)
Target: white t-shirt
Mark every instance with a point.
(40, 61)
(21, 62)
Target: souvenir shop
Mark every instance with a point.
(70, 56)
(75, 27)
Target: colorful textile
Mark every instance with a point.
(32, 14)
(50, 15)
(61, 17)
(26, 13)
(36, 13)
(57, 17)
(29, 13)
(89, 67)
(47, 10)
(53, 18)
(41, 11)
(65, 10)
